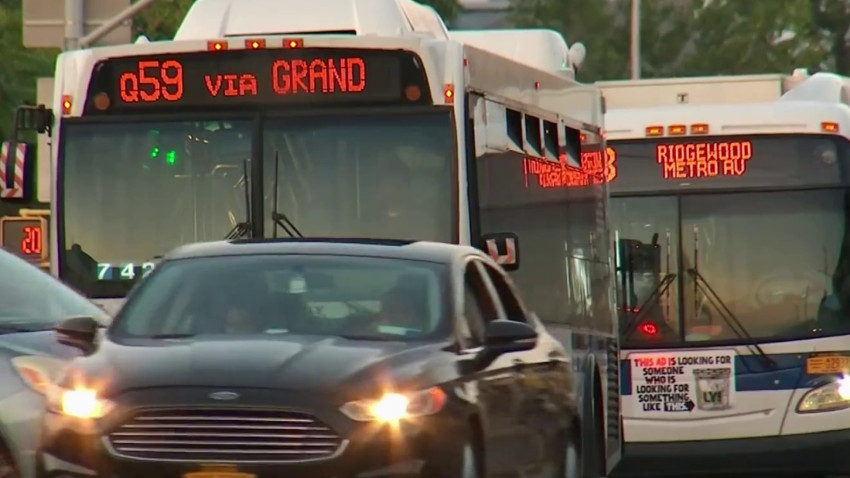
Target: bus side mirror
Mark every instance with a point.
(503, 247)
(34, 118)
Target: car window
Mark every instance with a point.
(356, 297)
(506, 293)
(477, 307)
(30, 296)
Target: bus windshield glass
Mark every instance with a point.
(131, 191)
(762, 254)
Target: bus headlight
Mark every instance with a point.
(80, 402)
(832, 396)
(392, 407)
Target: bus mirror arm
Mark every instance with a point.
(729, 317)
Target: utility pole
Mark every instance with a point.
(75, 28)
(113, 22)
(635, 40)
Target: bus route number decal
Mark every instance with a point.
(682, 382)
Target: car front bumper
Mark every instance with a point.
(809, 454)
(20, 419)
(75, 448)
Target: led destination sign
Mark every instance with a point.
(257, 77)
(703, 160)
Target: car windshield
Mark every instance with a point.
(32, 299)
(726, 265)
(133, 190)
(360, 298)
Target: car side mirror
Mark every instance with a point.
(78, 332)
(503, 247)
(504, 336)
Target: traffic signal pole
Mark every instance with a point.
(75, 36)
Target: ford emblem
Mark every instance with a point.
(224, 395)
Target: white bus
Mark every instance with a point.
(731, 225)
(341, 118)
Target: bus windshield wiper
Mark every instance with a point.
(701, 285)
(278, 218)
(243, 229)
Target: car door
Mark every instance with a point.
(497, 381)
(540, 378)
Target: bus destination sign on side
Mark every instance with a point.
(257, 77)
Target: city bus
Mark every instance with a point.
(369, 123)
(730, 225)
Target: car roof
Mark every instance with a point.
(386, 248)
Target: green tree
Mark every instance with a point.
(733, 37)
(161, 20)
(831, 22)
(21, 66)
(683, 37)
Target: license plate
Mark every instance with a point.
(218, 474)
(827, 364)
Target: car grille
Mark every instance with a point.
(224, 435)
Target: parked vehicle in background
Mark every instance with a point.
(316, 357)
(31, 303)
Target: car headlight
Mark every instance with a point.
(79, 402)
(832, 396)
(392, 407)
(36, 371)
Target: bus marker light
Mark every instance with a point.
(654, 130)
(216, 46)
(699, 128)
(67, 103)
(829, 127)
(255, 44)
(677, 129)
(293, 43)
(449, 92)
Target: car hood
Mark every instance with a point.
(41, 342)
(288, 362)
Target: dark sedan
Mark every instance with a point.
(320, 358)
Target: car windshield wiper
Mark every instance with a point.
(278, 218)
(243, 229)
(701, 285)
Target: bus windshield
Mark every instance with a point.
(734, 257)
(131, 191)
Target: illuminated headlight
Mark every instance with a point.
(79, 402)
(392, 407)
(832, 396)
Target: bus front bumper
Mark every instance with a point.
(806, 454)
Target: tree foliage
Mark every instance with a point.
(161, 20)
(694, 37)
(21, 66)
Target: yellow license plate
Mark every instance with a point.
(827, 364)
(218, 474)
